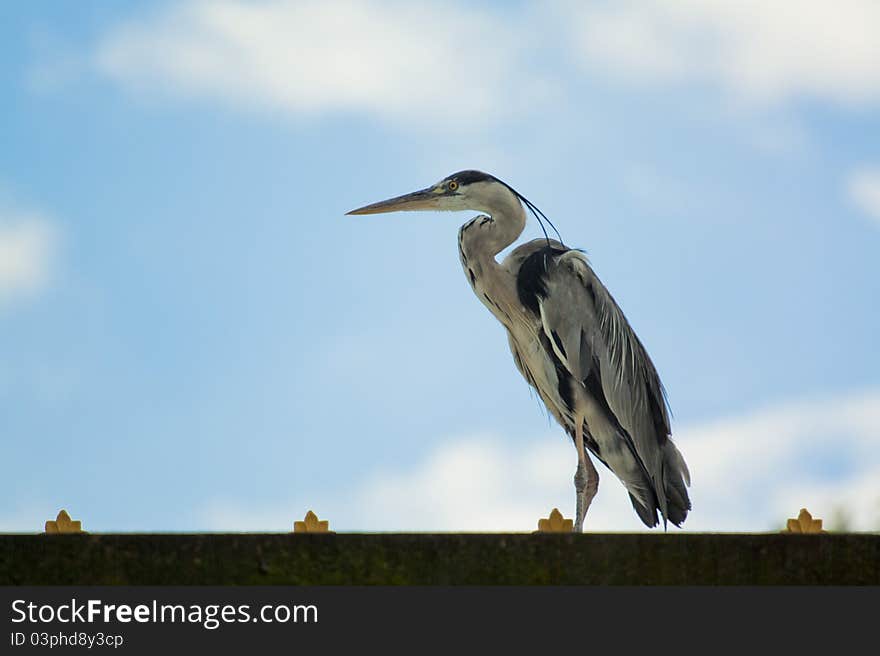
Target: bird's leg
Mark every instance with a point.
(580, 484)
(586, 478)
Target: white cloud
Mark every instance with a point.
(422, 61)
(27, 242)
(750, 473)
(477, 484)
(863, 188)
(453, 63)
(754, 470)
(761, 52)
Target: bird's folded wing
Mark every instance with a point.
(593, 339)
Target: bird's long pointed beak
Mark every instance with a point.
(424, 199)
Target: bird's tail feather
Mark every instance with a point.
(676, 479)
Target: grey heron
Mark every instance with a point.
(570, 341)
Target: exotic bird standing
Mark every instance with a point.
(570, 341)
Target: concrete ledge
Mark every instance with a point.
(430, 559)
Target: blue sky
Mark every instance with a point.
(195, 337)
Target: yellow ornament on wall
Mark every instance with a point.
(63, 524)
(311, 524)
(804, 524)
(555, 523)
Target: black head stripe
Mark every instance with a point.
(469, 177)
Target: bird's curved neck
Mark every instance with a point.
(507, 220)
(484, 237)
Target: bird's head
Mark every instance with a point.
(465, 190)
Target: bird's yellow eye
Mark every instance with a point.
(452, 185)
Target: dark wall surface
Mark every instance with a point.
(428, 559)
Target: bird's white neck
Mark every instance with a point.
(483, 238)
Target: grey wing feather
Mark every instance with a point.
(594, 336)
